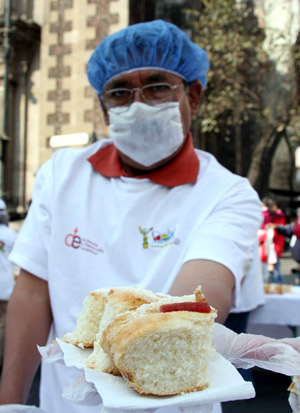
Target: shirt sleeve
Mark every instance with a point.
(31, 248)
(228, 234)
(286, 230)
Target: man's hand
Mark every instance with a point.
(28, 323)
(249, 350)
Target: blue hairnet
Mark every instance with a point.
(156, 44)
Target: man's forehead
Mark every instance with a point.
(142, 76)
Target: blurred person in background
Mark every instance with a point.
(292, 231)
(271, 243)
(265, 236)
(278, 218)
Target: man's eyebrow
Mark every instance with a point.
(115, 84)
(157, 77)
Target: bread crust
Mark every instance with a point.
(295, 389)
(141, 390)
(119, 300)
(127, 327)
(87, 324)
(135, 330)
(159, 353)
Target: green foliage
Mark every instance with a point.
(293, 129)
(229, 32)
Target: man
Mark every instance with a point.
(144, 208)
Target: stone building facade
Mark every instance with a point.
(49, 93)
(47, 87)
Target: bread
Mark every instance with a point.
(274, 288)
(295, 389)
(87, 325)
(158, 349)
(119, 300)
(162, 353)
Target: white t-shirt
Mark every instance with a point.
(85, 231)
(7, 240)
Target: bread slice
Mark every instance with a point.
(273, 288)
(119, 300)
(162, 353)
(295, 389)
(87, 324)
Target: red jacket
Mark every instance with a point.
(296, 229)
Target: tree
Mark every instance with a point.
(250, 105)
(229, 33)
(237, 121)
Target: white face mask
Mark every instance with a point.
(147, 134)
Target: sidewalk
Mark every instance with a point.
(271, 395)
(286, 264)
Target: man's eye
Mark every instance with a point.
(118, 93)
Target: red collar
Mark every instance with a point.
(182, 170)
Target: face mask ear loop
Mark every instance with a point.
(101, 102)
(102, 106)
(186, 88)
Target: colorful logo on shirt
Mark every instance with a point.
(145, 236)
(158, 239)
(2, 246)
(75, 241)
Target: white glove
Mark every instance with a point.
(249, 350)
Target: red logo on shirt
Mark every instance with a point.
(75, 241)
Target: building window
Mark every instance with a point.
(169, 10)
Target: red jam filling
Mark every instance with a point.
(199, 307)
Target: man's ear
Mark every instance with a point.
(104, 110)
(194, 94)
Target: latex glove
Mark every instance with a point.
(294, 342)
(249, 350)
